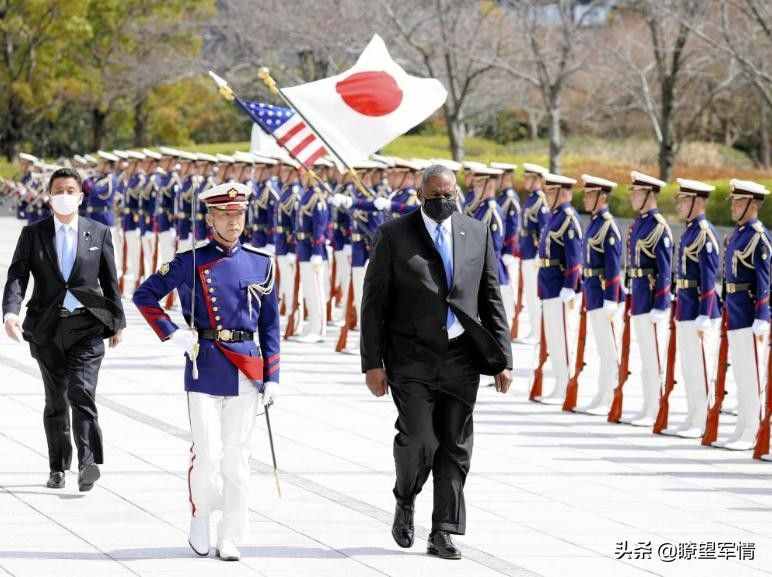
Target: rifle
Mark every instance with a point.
(762, 437)
(333, 287)
(711, 424)
(290, 329)
(573, 384)
(615, 412)
(538, 374)
(519, 302)
(664, 400)
(343, 338)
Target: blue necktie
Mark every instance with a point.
(66, 262)
(447, 263)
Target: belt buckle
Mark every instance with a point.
(225, 335)
(730, 288)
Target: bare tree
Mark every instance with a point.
(667, 73)
(554, 35)
(457, 42)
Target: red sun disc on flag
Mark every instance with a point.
(370, 93)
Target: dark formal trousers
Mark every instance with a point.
(435, 434)
(69, 364)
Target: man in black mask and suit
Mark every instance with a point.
(432, 322)
(74, 306)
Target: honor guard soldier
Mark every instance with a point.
(649, 257)
(311, 235)
(697, 304)
(485, 208)
(231, 360)
(746, 298)
(404, 199)
(168, 186)
(133, 181)
(507, 199)
(190, 181)
(209, 178)
(560, 272)
(266, 192)
(341, 245)
(284, 234)
(602, 286)
(102, 196)
(534, 221)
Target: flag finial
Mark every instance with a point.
(222, 84)
(264, 74)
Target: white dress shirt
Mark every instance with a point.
(456, 329)
(65, 232)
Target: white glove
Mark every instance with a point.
(510, 193)
(316, 260)
(658, 315)
(702, 323)
(508, 259)
(381, 203)
(270, 392)
(270, 249)
(184, 339)
(760, 328)
(342, 200)
(610, 307)
(567, 295)
(347, 249)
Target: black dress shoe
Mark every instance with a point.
(441, 546)
(402, 530)
(55, 480)
(87, 476)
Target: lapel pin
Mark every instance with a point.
(462, 233)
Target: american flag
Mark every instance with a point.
(289, 129)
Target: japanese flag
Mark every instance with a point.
(361, 110)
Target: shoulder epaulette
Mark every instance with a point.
(199, 244)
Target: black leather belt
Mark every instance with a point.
(225, 335)
(736, 287)
(64, 313)
(639, 272)
(683, 283)
(593, 272)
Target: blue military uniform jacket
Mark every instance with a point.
(536, 216)
(313, 216)
(132, 203)
(262, 210)
(366, 219)
(341, 233)
(649, 256)
(167, 186)
(235, 291)
(510, 209)
(489, 213)
(560, 253)
(746, 275)
(602, 261)
(697, 269)
(404, 201)
(284, 228)
(100, 200)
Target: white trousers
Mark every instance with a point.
(287, 267)
(312, 280)
(748, 358)
(117, 234)
(358, 278)
(167, 246)
(650, 348)
(148, 248)
(531, 291)
(508, 297)
(556, 321)
(513, 272)
(343, 275)
(697, 370)
(604, 335)
(218, 476)
(131, 238)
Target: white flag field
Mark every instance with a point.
(361, 110)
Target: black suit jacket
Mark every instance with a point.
(406, 298)
(93, 279)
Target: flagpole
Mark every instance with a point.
(227, 92)
(265, 75)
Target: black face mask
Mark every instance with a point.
(439, 209)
